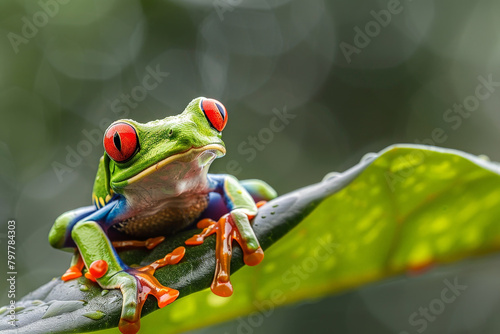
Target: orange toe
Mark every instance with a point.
(253, 259)
(71, 274)
(153, 242)
(222, 289)
(168, 297)
(89, 276)
(128, 327)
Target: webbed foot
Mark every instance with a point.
(105, 266)
(226, 231)
(137, 283)
(77, 264)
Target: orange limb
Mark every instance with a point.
(74, 271)
(148, 284)
(226, 232)
(149, 244)
(260, 203)
(89, 276)
(97, 270)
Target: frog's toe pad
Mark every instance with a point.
(75, 270)
(209, 227)
(254, 258)
(176, 255)
(70, 274)
(222, 289)
(194, 240)
(153, 242)
(147, 284)
(167, 297)
(128, 327)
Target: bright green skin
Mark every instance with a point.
(189, 129)
(159, 140)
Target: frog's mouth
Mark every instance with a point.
(194, 157)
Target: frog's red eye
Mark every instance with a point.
(215, 113)
(120, 142)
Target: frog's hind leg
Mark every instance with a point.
(110, 272)
(125, 244)
(146, 284)
(259, 190)
(60, 237)
(60, 233)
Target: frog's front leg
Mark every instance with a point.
(77, 265)
(233, 226)
(60, 237)
(105, 266)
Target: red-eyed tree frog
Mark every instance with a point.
(153, 181)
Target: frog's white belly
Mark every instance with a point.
(165, 219)
(167, 200)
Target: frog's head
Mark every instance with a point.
(172, 150)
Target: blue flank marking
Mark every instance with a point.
(217, 182)
(105, 217)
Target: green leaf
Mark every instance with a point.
(401, 210)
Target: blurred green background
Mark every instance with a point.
(68, 68)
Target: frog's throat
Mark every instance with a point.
(195, 151)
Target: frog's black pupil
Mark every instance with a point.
(221, 110)
(117, 141)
